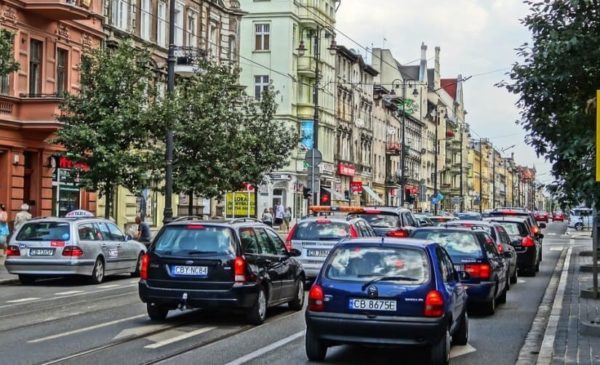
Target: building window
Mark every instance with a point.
(4, 86)
(261, 83)
(179, 24)
(35, 67)
(192, 37)
(232, 51)
(120, 14)
(213, 39)
(62, 64)
(146, 19)
(262, 37)
(161, 29)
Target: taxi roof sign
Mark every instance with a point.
(80, 213)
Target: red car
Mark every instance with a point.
(558, 216)
(541, 216)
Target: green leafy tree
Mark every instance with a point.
(7, 60)
(106, 126)
(557, 76)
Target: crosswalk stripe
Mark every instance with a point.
(69, 292)
(179, 338)
(21, 300)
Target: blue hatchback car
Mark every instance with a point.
(474, 254)
(387, 292)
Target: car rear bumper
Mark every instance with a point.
(380, 331)
(526, 259)
(480, 292)
(49, 267)
(238, 296)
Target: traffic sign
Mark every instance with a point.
(313, 157)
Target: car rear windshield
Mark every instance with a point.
(456, 243)
(514, 228)
(380, 220)
(195, 240)
(356, 263)
(321, 230)
(44, 231)
(469, 216)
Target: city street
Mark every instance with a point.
(69, 322)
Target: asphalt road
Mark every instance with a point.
(69, 322)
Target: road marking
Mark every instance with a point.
(179, 338)
(521, 281)
(546, 350)
(21, 300)
(556, 248)
(461, 350)
(134, 281)
(264, 350)
(69, 292)
(141, 331)
(108, 286)
(64, 334)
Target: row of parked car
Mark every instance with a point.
(379, 277)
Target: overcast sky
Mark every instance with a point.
(475, 36)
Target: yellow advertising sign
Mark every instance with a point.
(597, 135)
(240, 204)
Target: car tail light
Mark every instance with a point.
(398, 233)
(288, 240)
(323, 221)
(144, 267)
(478, 271)
(353, 232)
(239, 269)
(72, 251)
(194, 226)
(13, 251)
(527, 242)
(535, 230)
(500, 248)
(316, 299)
(434, 304)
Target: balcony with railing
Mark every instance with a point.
(306, 66)
(393, 148)
(36, 111)
(60, 9)
(187, 60)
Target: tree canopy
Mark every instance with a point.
(7, 59)
(555, 80)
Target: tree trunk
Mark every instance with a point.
(108, 201)
(191, 203)
(256, 202)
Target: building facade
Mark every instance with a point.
(49, 40)
(290, 45)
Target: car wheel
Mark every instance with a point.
(490, 306)
(98, 272)
(138, 266)
(537, 267)
(298, 302)
(316, 350)
(157, 312)
(440, 352)
(461, 337)
(579, 226)
(515, 277)
(502, 298)
(258, 313)
(27, 279)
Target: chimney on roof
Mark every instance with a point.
(423, 51)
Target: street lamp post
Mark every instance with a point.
(480, 175)
(168, 211)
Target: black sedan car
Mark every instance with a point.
(220, 264)
(388, 221)
(527, 244)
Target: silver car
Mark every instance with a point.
(91, 247)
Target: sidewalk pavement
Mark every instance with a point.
(577, 336)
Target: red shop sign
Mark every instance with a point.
(346, 170)
(356, 186)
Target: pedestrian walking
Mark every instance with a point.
(279, 213)
(267, 218)
(143, 234)
(23, 216)
(287, 218)
(4, 232)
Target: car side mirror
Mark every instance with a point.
(463, 275)
(542, 225)
(294, 252)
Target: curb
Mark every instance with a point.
(533, 340)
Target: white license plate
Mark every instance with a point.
(317, 253)
(373, 305)
(190, 270)
(41, 252)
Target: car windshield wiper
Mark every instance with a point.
(386, 278)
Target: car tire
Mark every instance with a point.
(298, 302)
(98, 271)
(27, 279)
(440, 352)
(258, 312)
(157, 312)
(461, 337)
(537, 267)
(515, 277)
(138, 264)
(579, 226)
(490, 306)
(316, 349)
(502, 298)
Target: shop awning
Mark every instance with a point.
(335, 194)
(373, 194)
